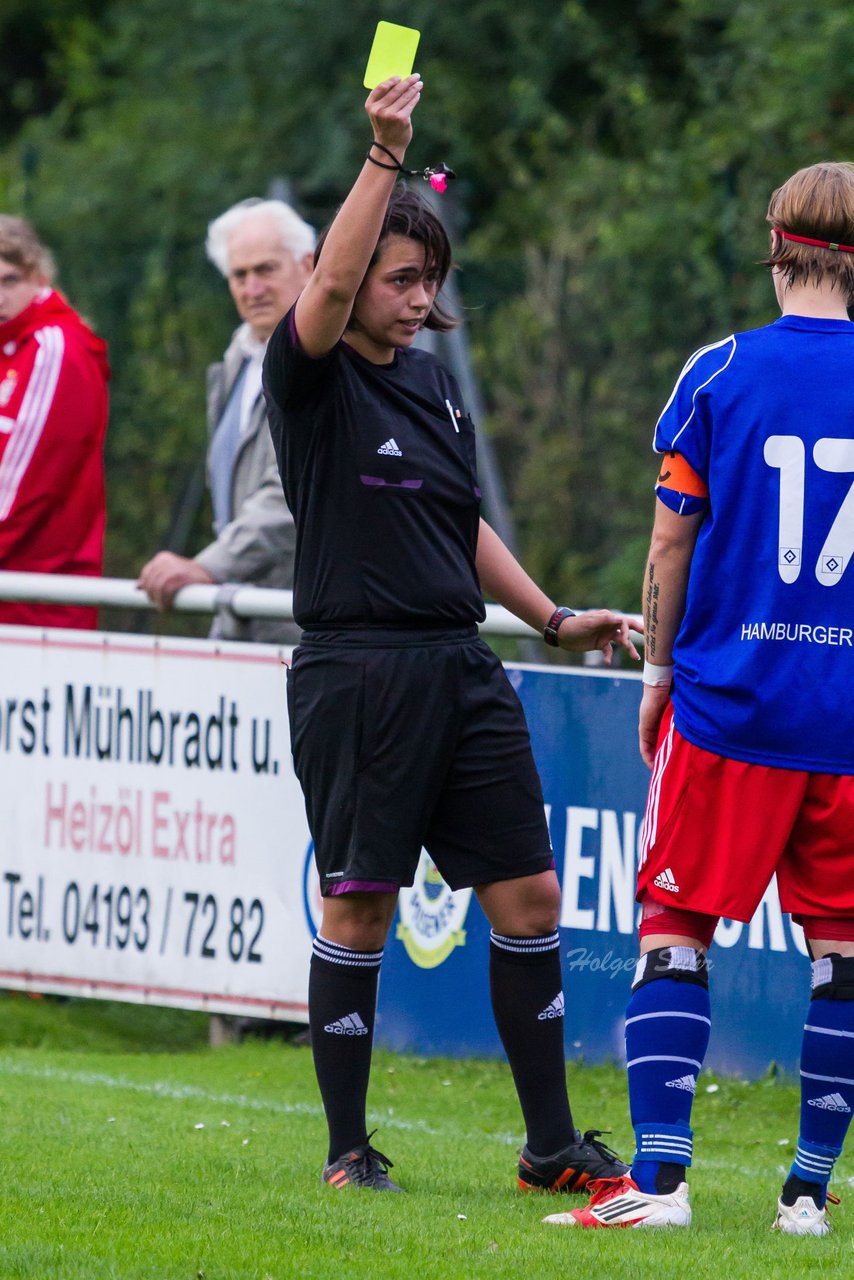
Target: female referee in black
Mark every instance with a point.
(404, 728)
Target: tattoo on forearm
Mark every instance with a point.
(651, 610)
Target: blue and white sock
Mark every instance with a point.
(827, 1084)
(667, 1033)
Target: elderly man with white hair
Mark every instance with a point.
(264, 250)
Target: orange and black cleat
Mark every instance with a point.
(364, 1167)
(572, 1168)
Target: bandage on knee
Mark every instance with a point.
(680, 964)
(833, 978)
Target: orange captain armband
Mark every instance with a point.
(679, 487)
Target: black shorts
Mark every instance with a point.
(404, 739)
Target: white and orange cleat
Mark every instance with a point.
(618, 1202)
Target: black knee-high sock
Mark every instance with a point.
(527, 1000)
(342, 999)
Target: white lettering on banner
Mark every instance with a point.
(769, 908)
(577, 866)
(617, 863)
(603, 871)
(153, 844)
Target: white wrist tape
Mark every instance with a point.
(658, 677)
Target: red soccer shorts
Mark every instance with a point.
(716, 830)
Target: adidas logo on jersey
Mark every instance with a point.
(352, 1025)
(688, 1083)
(666, 880)
(830, 1102)
(390, 449)
(554, 1010)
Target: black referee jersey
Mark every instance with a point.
(379, 469)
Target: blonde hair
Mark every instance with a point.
(20, 245)
(817, 202)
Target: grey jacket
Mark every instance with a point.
(258, 544)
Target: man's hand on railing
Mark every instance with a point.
(164, 576)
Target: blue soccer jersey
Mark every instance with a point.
(764, 658)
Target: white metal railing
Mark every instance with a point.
(237, 598)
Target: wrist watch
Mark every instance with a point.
(552, 627)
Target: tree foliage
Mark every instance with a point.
(615, 163)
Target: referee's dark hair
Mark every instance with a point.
(408, 215)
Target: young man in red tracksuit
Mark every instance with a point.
(53, 415)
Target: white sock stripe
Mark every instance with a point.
(548, 942)
(664, 1139)
(347, 954)
(349, 951)
(828, 1031)
(808, 1157)
(675, 1137)
(814, 1166)
(336, 954)
(669, 1013)
(663, 1057)
(808, 1075)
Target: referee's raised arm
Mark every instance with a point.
(325, 304)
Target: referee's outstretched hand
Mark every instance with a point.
(390, 107)
(599, 629)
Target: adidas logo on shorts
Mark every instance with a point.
(830, 1102)
(553, 1010)
(688, 1083)
(352, 1025)
(666, 880)
(390, 449)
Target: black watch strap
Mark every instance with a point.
(552, 627)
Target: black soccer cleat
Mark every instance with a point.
(363, 1167)
(571, 1169)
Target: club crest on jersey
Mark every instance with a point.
(7, 387)
(431, 916)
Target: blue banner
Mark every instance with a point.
(434, 993)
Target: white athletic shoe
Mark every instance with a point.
(803, 1218)
(617, 1202)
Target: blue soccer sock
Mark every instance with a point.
(827, 1075)
(667, 1034)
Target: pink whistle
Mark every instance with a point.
(439, 182)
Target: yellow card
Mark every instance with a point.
(392, 53)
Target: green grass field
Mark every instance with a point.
(132, 1150)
